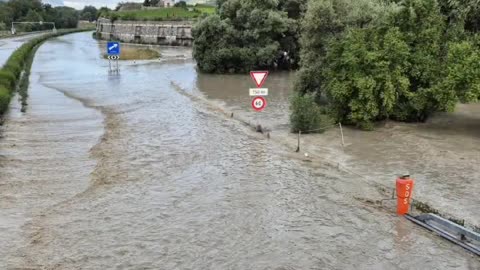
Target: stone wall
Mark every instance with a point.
(175, 33)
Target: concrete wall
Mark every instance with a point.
(175, 33)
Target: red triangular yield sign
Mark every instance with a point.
(259, 77)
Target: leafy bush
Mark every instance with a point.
(417, 58)
(306, 116)
(463, 73)
(7, 79)
(4, 99)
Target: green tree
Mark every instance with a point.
(246, 35)
(181, 4)
(32, 16)
(20, 8)
(365, 73)
(6, 14)
(103, 11)
(423, 27)
(89, 13)
(65, 17)
(417, 58)
(462, 80)
(325, 20)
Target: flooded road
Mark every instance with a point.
(134, 172)
(442, 155)
(8, 45)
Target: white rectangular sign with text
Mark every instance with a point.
(258, 91)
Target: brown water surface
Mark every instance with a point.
(140, 171)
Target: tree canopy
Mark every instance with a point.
(36, 11)
(246, 35)
(369, 60)
(89, 13)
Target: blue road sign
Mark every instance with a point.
(113, 48)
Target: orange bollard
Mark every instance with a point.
(404, 193)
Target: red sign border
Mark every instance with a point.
(264, 78)
(264, 103)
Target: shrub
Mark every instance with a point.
(306, 116)
(463, 73)
(7, 78)
(4, 99)
(403, 64)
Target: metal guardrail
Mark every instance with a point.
(455, 233)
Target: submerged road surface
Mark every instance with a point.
(9, 45)
(128, 172)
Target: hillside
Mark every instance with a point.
(161, 14)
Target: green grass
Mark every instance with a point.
(162, 14)
(205, 9)
(134, 53)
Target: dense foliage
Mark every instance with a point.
(89, 13)
(246, 35)
(371, 60)
(36, 11)
(307, 115)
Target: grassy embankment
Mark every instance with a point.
(134, 53)
(162, 14)
(14, 74)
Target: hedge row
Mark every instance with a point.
(11, 71)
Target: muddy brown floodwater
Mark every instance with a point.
(141, 171)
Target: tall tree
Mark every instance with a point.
(89, 13)
(245, 35)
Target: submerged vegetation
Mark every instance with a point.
(403, 60)
(306, 115)
(19, 61)
(362, 61)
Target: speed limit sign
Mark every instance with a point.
(259, 103)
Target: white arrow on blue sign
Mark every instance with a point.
(113, 48)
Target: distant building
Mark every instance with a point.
(168, 3)
(194, 2)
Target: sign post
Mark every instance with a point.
(113, 51)
(259, 102)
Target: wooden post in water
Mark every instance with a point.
(341, 133)
(298, 144)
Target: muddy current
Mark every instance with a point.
(147, 170)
